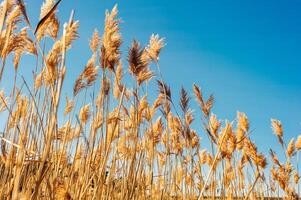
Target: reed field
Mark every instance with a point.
(112, 141)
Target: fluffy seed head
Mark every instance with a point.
(277, 127)
(111, 41)
(290, 148)
(84, 113)
(154, 47)
(95, 41)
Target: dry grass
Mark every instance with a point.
(117, 144)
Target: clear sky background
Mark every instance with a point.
(247, 53)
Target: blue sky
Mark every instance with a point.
(247, 53)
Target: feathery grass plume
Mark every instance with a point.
(152, 50)
(282, 175)
(242, 122)
(55, 54)
(214, 125)
(4, 8)
(95, 41)
(198, 95)
(18, 43)
(298, 143)
(205, 105)
(52, 62)
(49, 24)
(79, 85)
(164, 90)
(111, 40)
(14, 17)
(90, 72)
(189, 117)
(136, 64)
(277, 128)
(209, 104)
(202, 156)
(290, 151)
(23, 10)
(242, 129)
(63, 131)
(296, 177)
(250, 150)
(143, 103)
(71, 33)
(184, 100)
(145, 75)
(195, 141)
(69, 106)
(85, 113)
(28, 47)
(87, 77)
(46, 7)
(274, 158)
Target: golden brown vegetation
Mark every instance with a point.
(120, 145)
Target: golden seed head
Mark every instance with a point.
(84, 113)
(277, 127)
(290, 148)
